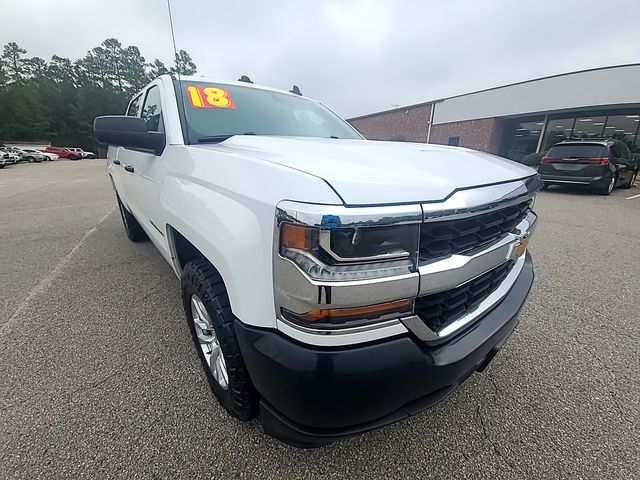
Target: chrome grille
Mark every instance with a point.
(442, 238)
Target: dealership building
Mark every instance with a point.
(522, 118)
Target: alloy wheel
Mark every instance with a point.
(612, 184)
(208, 342)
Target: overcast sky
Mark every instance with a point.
(356, 56)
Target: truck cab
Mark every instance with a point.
(331, 284)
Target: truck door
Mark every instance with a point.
(142, 171)
(115, 157)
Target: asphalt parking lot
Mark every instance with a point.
(98, 376)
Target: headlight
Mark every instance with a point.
(332, 251)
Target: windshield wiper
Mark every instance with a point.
(220, 138)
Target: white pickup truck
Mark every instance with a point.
(332, 284)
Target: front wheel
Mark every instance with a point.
(31, 159)
(211, 322)
(631, 180)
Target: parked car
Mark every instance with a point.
(32, 155)
(82, 153)
(62, 152)
(333, 283)
(50, 156)
(4, 159)
(13, 156)
(600, 164)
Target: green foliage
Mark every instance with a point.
(184, 64)
(157, 68)
(59, 100)
(532, 159)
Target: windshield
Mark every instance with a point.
(215, 112)
(578, 151)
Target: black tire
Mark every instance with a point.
(631, 181)
(610, 186)
(31, 159)
(199, 277)
(2, 166)
(545, 186)
(132, 228)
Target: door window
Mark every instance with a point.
(624, 151)
(134, 106)
(615, 152)
(152, 110)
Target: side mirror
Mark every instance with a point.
(128, 132)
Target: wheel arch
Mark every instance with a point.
(182, 251)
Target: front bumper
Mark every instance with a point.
(315, 395)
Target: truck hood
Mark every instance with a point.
(365, 172)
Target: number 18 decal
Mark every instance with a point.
(209, 97)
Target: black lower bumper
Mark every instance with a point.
(313, 395)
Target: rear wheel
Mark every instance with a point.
(631, 180)
(31, 159)
(545, 186)
(211, 321)
(610, 186)
(132, 228)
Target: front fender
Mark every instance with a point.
(234, 234)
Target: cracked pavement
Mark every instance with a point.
(99, 378)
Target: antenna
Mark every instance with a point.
(173, 36)
(185, 131)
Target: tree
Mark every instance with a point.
(59, 100)
(62, 71)
(156, 69)
(133, 70)
(184, 64)
(13, 64)
(35, 67)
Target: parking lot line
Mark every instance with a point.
(632, 196)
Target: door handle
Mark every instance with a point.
(116, 162)
(129, 168)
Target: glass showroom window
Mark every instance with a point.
(521, 138)
(558, 129)
(589, 127)
(625, 128)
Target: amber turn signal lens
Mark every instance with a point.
(340, 315)
(297, 236)
(521, 247)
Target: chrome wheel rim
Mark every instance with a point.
(208, 342)
(611, 184)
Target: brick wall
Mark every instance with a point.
(407, 124)
(484, 134)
